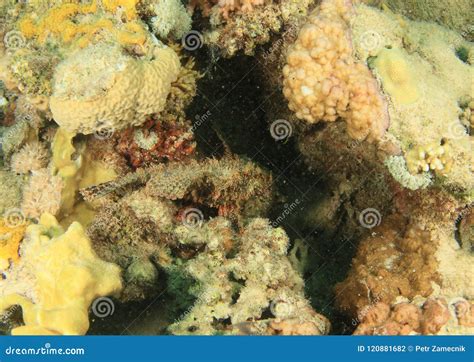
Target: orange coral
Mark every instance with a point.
(10, 239)
(408, 318)
(390, 263)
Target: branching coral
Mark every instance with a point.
(32, 157)
(236, 291)
(68, 277)
(323, 81)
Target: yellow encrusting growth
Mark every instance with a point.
(397, 76)
(68, 278)
(10, 239)
(63, 22)
(128, 7)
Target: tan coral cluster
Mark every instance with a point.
(323, 81)
(432, 157)
(420, 316)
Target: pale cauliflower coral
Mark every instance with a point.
(101, 87)
(323, 81)
(42, 194)
(171, 18)
(32, 157)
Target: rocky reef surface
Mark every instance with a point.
(250, 167)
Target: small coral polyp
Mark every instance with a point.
(434, 157)
(324, 82)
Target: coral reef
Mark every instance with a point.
(402, 54)
(236, 26)
(324, 185)
(68, 277)
(236, 291)
(144, 225)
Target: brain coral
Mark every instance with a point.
(101, 87)
(323, 81)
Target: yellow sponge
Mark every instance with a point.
(69, 276)
(397, 78)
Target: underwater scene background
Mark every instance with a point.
(236, 167)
